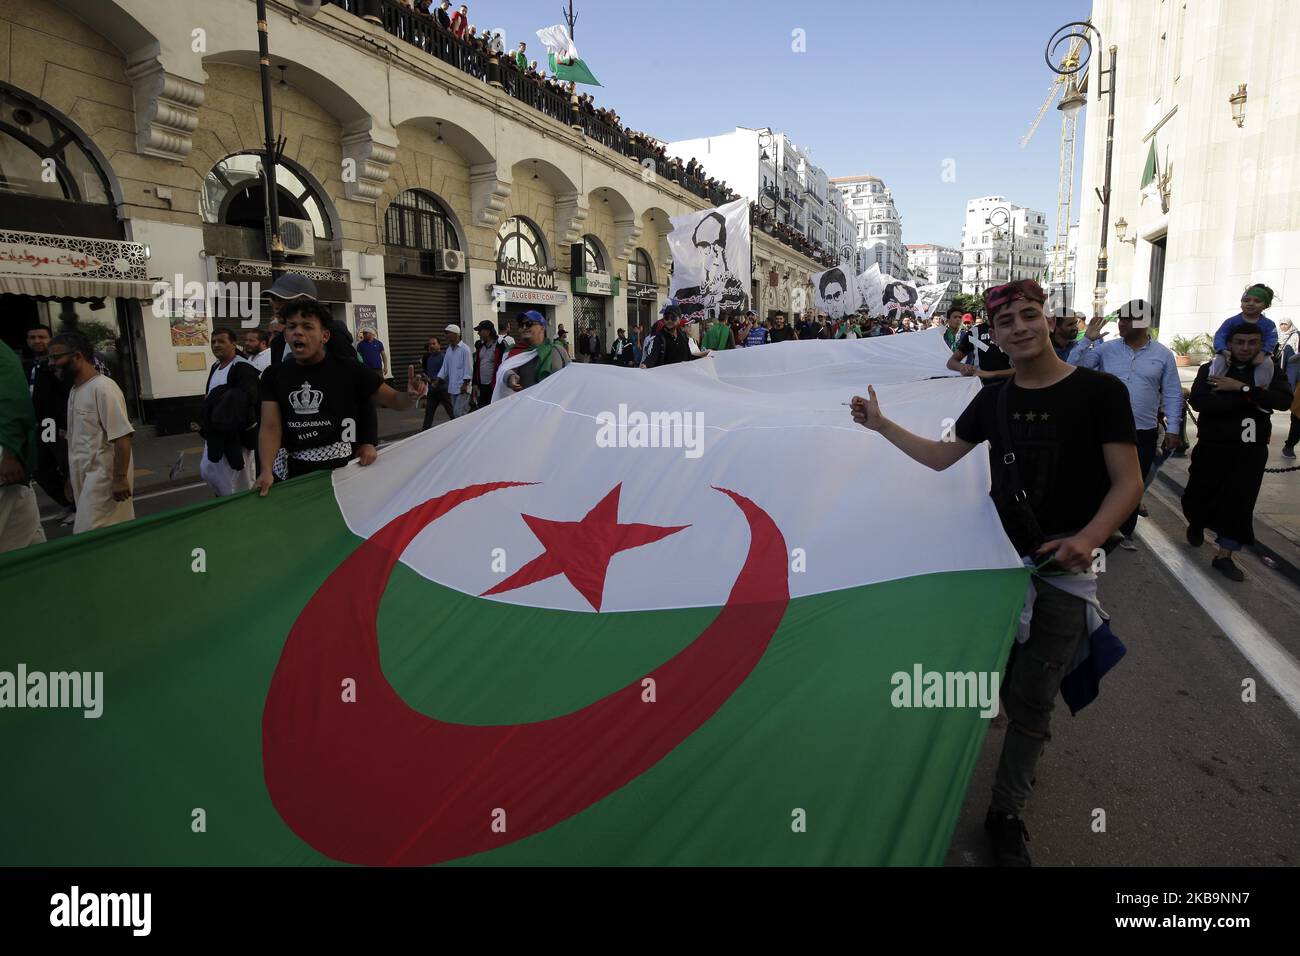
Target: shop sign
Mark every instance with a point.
(525, 275)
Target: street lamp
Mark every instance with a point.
(1073, 101)
(764, 141)
(306, 8)
(1238, 102)
(1007, 219)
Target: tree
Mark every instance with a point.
(967, 303)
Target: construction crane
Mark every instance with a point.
(1065, 184)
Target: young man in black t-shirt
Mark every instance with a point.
(1071, 432)
(990, 363)
(313, 403)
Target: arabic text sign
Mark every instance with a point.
(21, 259)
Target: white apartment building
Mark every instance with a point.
(1209, 204)
(1001, 241)
(880, 228)
(931, 264)
(770, 169)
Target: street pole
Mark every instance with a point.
(269, 151)
(1099, 294)
(1073, 100)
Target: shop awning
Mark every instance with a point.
(48, 266)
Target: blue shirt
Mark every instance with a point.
(457, 367)
(1150, 374)
(432, 363)
(1265, 325)
(757, 336)
(372, 353)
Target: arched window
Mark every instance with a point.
(639, 269)
(520, 240)
(34, 144)
(417, 220)
(234, 194)
(593, 260)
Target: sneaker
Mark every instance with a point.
(1195, 536)
(1288, 451)
(1228, 569)
(1128, 544)
(1009, 836)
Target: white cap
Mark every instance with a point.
(454, 328)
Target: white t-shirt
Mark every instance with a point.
(261, 361)
(220, 376)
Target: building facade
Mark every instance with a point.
(778, 175)
(880, 228)
(1209, 205)
(419, 184)
(1001, 241)
(931, 264)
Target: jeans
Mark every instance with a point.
(1228, 544)
(437, 396)
(1146, 446)
(460, 405)
(1060, 622)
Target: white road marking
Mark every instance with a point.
(152, 494)
(1266, 655)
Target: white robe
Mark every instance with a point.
(96, 418)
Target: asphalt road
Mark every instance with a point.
(1187, 773)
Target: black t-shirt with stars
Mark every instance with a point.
(1057, 433)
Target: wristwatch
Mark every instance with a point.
(1245, 389)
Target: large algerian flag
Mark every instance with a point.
(512, 641)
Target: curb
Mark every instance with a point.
(1270, 545)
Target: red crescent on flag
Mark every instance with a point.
(375, 782)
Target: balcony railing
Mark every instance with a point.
(473, 59)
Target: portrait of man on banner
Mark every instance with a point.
(711, 263)
(835, 294)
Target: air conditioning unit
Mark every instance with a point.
(450, 260)
(297, 235)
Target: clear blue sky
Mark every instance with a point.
(887, 88)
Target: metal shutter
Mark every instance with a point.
(417, 309)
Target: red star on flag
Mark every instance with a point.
(581, 550)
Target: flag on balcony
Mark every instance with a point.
(711, 261)
(559, 644)
(564, 60)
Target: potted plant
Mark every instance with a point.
(1183, 347)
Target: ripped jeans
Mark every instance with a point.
(1060, 622)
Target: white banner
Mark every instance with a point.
(929, 297)
(883, 295)
(711, 264)
(835, 293)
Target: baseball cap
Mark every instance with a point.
(453, 328)
(485, 324)
(290, 285)
(533, 317)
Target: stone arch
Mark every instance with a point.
(627, 225)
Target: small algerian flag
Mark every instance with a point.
(1151, 174)
(565, 62)
(587, 624)
(576, 71)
